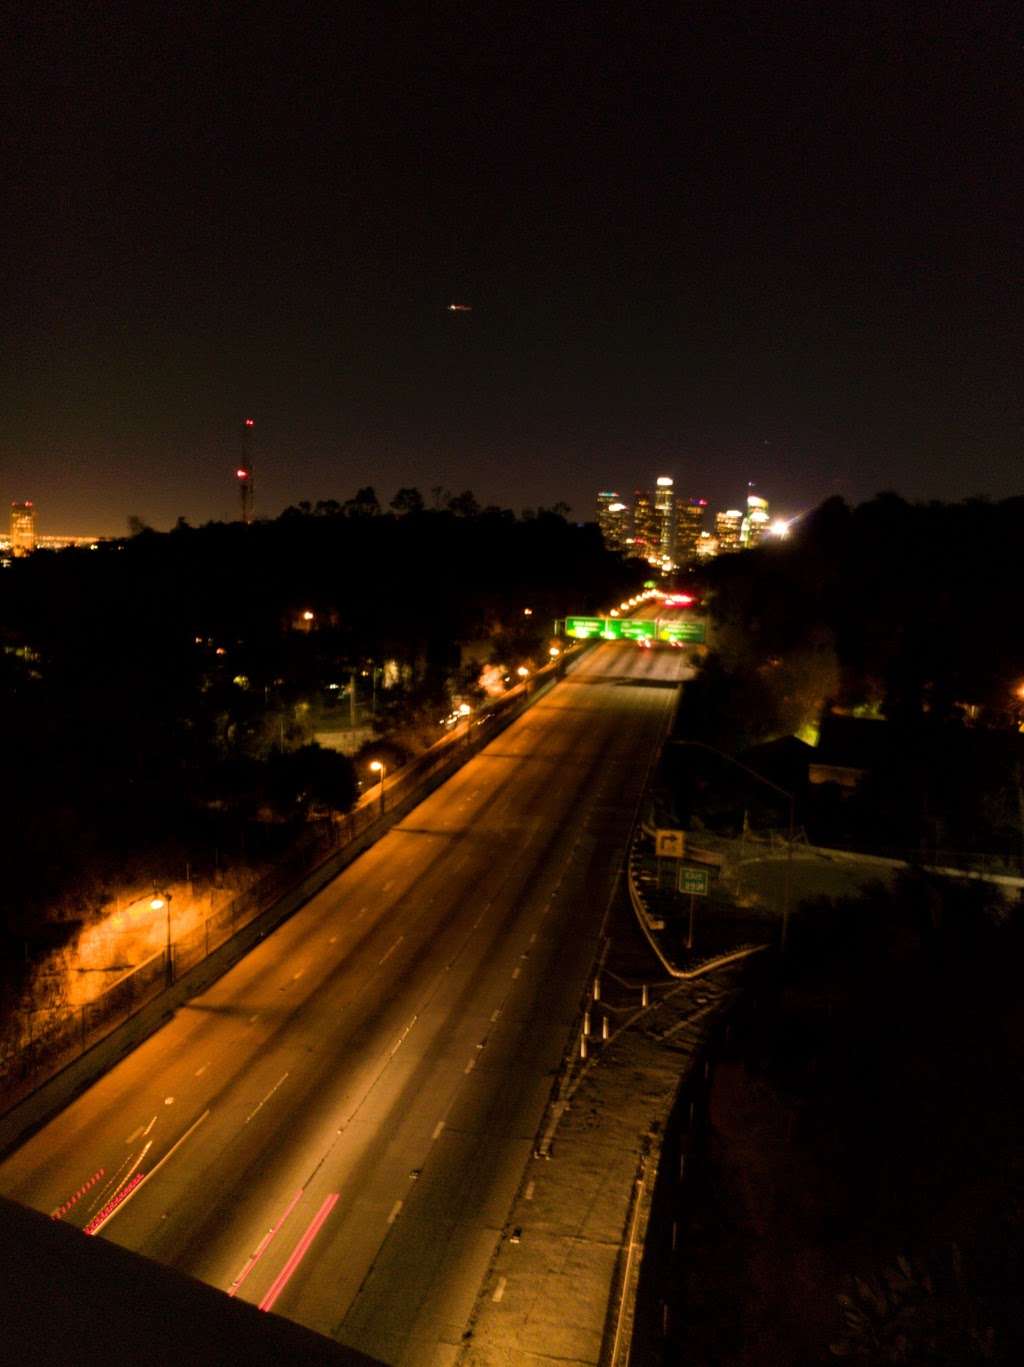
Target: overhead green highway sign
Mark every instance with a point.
(633, 629)
(582, 627)
(681, 631)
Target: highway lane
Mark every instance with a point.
(336, 1129)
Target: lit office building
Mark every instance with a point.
(23, 528)
(613, 520)
(728, 526)
(689, 529)
(644, 542)
(665, 514)
(707, 546)
(755, 524)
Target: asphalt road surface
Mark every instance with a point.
(337, 1128)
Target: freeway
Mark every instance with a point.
(337, 1128)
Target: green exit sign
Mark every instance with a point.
(694, 881)
(682, 631)
(634, 629)
(584, 627)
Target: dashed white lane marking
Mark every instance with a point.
(168, 1101)
(333, 940)
(297, 976)
(495, 1014)
(515, 972)
(202, 1070)
(149, 1127)
(533, 938)
(361, 912)
(437, 1130)
(470, 1065)
(528, 1194)
(394, 1212)
(388, 885)
(402, 1037)
(391, 951)
(259, 1108)
(133, 1136)
(499, 1290)
(254, 1019)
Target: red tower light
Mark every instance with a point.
(249, 422)
(242, 474)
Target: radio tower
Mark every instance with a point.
(244, 471)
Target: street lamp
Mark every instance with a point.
(378, 768)
(162, 902)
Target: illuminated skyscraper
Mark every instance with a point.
(645, 527)
(755, 524)
(23, 528)
(689, 527)
(613, 519)
(665, 514)
(728, 526)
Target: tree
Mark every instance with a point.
(364, 504)
(311, 776)
(464, 504)
(407, 501)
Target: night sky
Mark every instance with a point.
(776, 242)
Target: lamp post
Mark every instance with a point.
(787, 892)
(162, 902)
(377, 766)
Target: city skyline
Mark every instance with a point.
(746, 246)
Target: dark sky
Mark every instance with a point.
(773, 242)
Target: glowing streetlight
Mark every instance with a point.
(378, 768)
(779, 528)
(554, 652)
(522, 671)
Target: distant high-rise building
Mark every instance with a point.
(644, 543)
(23, 528)
(689, 527)
(728, 526)
(665, 513)
(755, 524)
(613, 520)
(707, 546)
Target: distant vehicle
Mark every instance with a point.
(460, 308)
